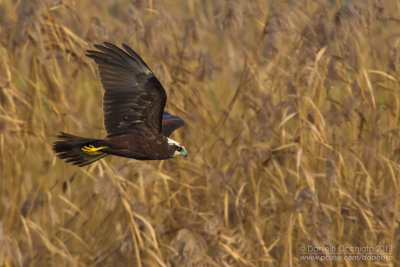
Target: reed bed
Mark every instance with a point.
(292, 114)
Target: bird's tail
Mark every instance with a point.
(79, 150)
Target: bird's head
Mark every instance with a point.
(178, 149)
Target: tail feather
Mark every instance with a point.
(70, 148)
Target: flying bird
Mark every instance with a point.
(134, 117)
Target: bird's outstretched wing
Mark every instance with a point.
(134, 99)
(170, 123)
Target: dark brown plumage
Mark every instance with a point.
(134, 116)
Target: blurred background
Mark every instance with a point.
(292, 128)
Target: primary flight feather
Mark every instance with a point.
(134, 116)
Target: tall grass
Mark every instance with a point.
(292, 127)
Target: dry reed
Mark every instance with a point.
(292, 111)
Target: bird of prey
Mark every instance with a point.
(134, 116)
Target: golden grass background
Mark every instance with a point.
(292, 128)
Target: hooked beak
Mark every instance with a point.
(184, 153)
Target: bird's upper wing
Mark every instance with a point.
(134, 99)
(170, 123)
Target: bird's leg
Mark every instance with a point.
(91, 150)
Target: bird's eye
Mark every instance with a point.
(179, 149)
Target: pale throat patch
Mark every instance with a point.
(171, 143)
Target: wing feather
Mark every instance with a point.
(170, 123)
(134, 99)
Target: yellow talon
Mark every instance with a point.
(91, 150)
